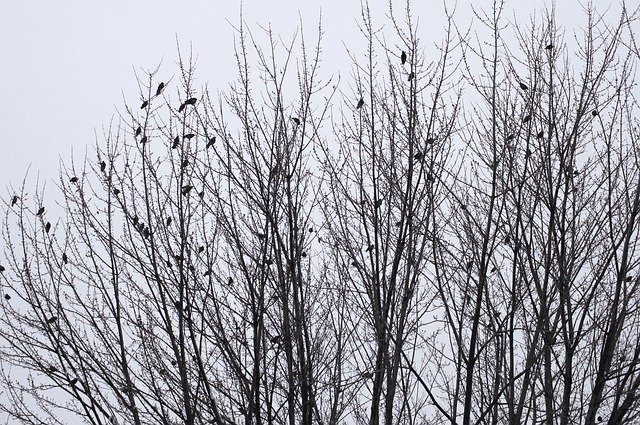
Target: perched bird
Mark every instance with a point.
(143, 140)
(189, 136)
(523, 86)
(526, 118)
(403, 57)
(116, 191)
(73, 179)
(296, 120)
(190, 101)
(527, 154)
(7, 297)
(378, 203)
(411, 76)
(52, 319)
(311, 230)
(540, 135)
(549, 47)
(47, 227)
(181, 108)
(201, 194)
(135, 220)
(14, 200)
(185, 163)
(73, 381)
(176, 142)
(511, 137)
(594, 113)
(200, 250)
(261, 236)
(370, 247)
(138, 131)
(168, 221)
(103, 165)
(160, 88)
(2, 269)
(65, 260)
(360, 103)
(418, 156)
(207, 273)
(186, 189)
(40, 212)
(144, 104)
(211, 142)
(146, 233)
(430, 140)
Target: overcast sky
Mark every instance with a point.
(67, 64)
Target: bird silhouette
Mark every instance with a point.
(143, 140)
(594, 113)
(116, 192)
(73, 179)
(103, 165)
(189, 136)
(190, 101)
(73, 381)
(14, 200)
(176, 142)
(403, 57)
(207, 273)
(146, 233)
(186, 189)
(540, 135)
(52, 320)
(378, 203)
(2, 269)
(181, 108)
(169, 219)
(549, 46)
(7, 297)
(526, 118)
(185, 163)
(418, 156)
(201, 194)
(370, 247)
(360, 103)
(47, 227)
(411, 76)
(138, 131)
(296, 120)
(65, 260)
(144, 104)
(523, 86)
(200, 250)
(511, 137)
(135, 220)
(211, 142)
(160, 88)
(261, 236)
(40, 212)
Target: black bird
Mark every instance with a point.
(160, 88)
(2, 269)
(189, 136)
(370, 247)
(411, 75)
(540, 135)
(527, 118)
(116, 191)
(511, 137)
(360, 103)
(143, 140)
(261, 236)
(103, 165)
(146, 233)
(7, 297)
(190, 101)
(200, 250)
(181, 108)
(296, 120)
(176, 142)
(311, 230)
(185, 163)
(40, 212)
(207, 273)
(14, 200)
(65, 260)
(168, 221)
(138, 131)
(186, 189)
(527, 154)
(135, 220)
(418, 156)
(523, 86)
(73, 179)
(211, 142)
(430, 140)
(549, 47)
(594, 113)
(52, 320)
(201, 194)
(144, 104)
(47, 227)
(403, 57)
(378, 203)
(73, 381)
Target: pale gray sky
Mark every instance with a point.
(66, 64)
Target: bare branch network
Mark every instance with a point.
(453, 239)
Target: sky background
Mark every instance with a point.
(68, 66)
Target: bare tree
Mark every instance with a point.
(452, 240)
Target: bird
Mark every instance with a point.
(403, 57)
(201, 194)
(160, 88)
(360, 103)
(190, 101)
(14, 200)
(116, 191)
(2, 269)
(169, 219)
(7, 297)
(40, 212)
(186, 189)
(73, 179)
(378, 203)
(176, 142)
(189, 136)
(52, 320)
(418, 156)
(261, 236)
(430, 140)
(523, 86)
(138, 131)
(370, 247)
(103, 165)
(135, 220)
(143, 140)
(144, 104)
(594, 113)
(526, 118)
(185, 163)
(73, 381)
(181, 108)
(65, 260)
(211, 142)
(47, 227)
(146, 233)
(311, 230)
(540, 135)
(207, 273)
(411, 75)
(200, 250)
(549, 47)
